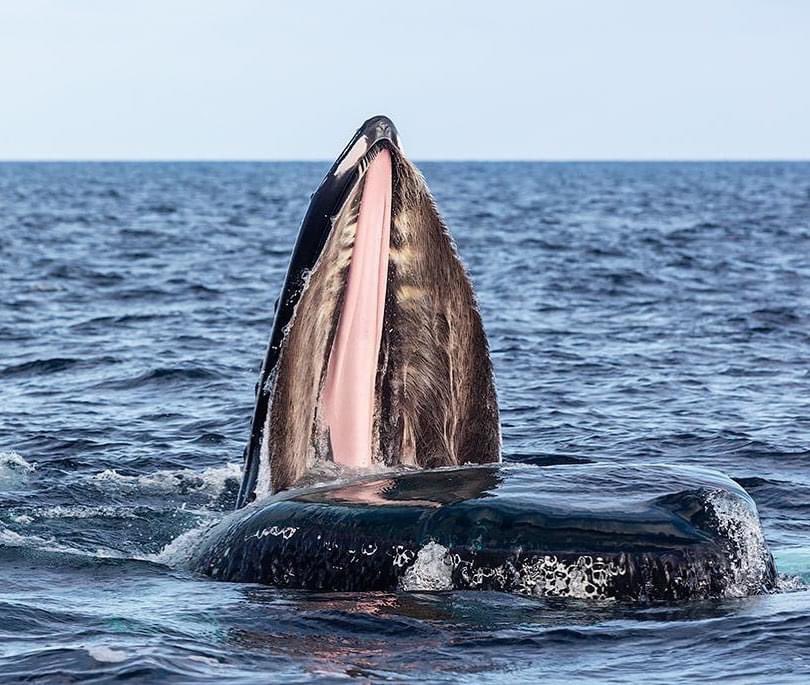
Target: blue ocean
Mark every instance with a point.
(636, 312)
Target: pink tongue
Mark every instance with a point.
(352, 371)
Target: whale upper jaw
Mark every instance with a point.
(434, 399)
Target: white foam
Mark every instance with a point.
(432, 570)
(211, 481)
(9, 538)
(739, 522)
(80, 511)
(107, 655)
(22, 519)
(788, 583)
(14, 469)
(177, 553)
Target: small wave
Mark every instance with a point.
(213, 480)
(162, 208)
(9, 538)
(776, 316)
(39, 367)
(753, 482)
(122, 320)
(546, 459)
(177, 553)
(161, 376)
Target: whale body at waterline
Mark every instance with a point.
(378, 364)
(580, 530)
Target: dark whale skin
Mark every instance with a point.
(583, 531)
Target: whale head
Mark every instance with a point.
(377, 354)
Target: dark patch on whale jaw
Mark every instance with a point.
(435, 394)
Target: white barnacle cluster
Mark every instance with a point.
(749, 558)
(276, 531)
(402, 556)
(474, 576)
(587, 577)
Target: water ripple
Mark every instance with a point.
(636, 312)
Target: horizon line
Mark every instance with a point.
(454, 160)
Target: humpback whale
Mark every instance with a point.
(378, 360)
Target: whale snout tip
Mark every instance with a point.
(380, 127)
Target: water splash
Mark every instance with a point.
(432, 569)
(177, 553)
(212, 481)
(14, 469)
(738, 521)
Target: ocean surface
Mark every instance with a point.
(636, 313)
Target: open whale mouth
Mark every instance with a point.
(377, 354)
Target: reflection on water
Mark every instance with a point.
(430, 490)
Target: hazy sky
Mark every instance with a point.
(252, 79)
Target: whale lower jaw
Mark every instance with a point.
(432, 567)
(425, 531)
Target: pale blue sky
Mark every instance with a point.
(252, 79)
